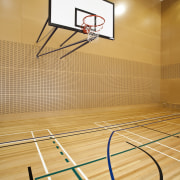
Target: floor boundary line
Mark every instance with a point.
(140, 120)
(22, 132)
(21, 140)
(40, 155)
(150, 140)
(142, 143)
(124, 118)
(67, 155)
(99, 159)
(173, 123)
(142, 116)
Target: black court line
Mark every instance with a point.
(159, 168)
(30, 173)
(57, 135)
(157, 130)
(115, 125)
(108, 146)
(110, 127)
(97, 160)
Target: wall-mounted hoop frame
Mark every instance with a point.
(86, 27)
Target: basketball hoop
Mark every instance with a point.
(92, 29)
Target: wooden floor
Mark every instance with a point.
(73, 145)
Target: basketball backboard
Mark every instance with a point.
(69, 14)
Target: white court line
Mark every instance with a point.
(141, 144)
(68, 155)
(132, 122)
(140, 116)
(146, 116)
(150, 140)
(120, 118)
(167, 122)
(172, 123)
(134, 116)
(22, 132)
(40, 155)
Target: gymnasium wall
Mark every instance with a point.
(170, 83)
(103, 74)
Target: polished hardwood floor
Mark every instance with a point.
(73, 145)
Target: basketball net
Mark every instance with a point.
(92, 35)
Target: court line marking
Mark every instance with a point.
(166, 122)
(146, 116)
(30, 173)
(40, 155)
(81, 172)
(163, 112)
(23, 132)
(142, 143)
(99, 159)
(154, 160)
(85, 130)
(99, 121)
(159, 130)
(132, 116)
(139, 120)
(150, 140)
(173, 123)
(132, 122)
(46, 129)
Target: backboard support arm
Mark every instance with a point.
(84, 40)
(74, 49)
(46, 42)
(42, 30)
(69, 38)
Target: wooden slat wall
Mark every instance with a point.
(171, 71)
(170, 53)
(81, 80)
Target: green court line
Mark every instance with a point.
(75, 172)
(96, 160)
(144, 144)
(66, 160)
(78, 176)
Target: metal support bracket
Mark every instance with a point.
(84, 42)
(68, 38)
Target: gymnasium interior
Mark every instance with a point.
(110, 110)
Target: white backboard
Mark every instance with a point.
(69, 14)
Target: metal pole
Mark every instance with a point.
(46, 42)
(63, 47)
(75, 49)
(68, 38)
(42, 30)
